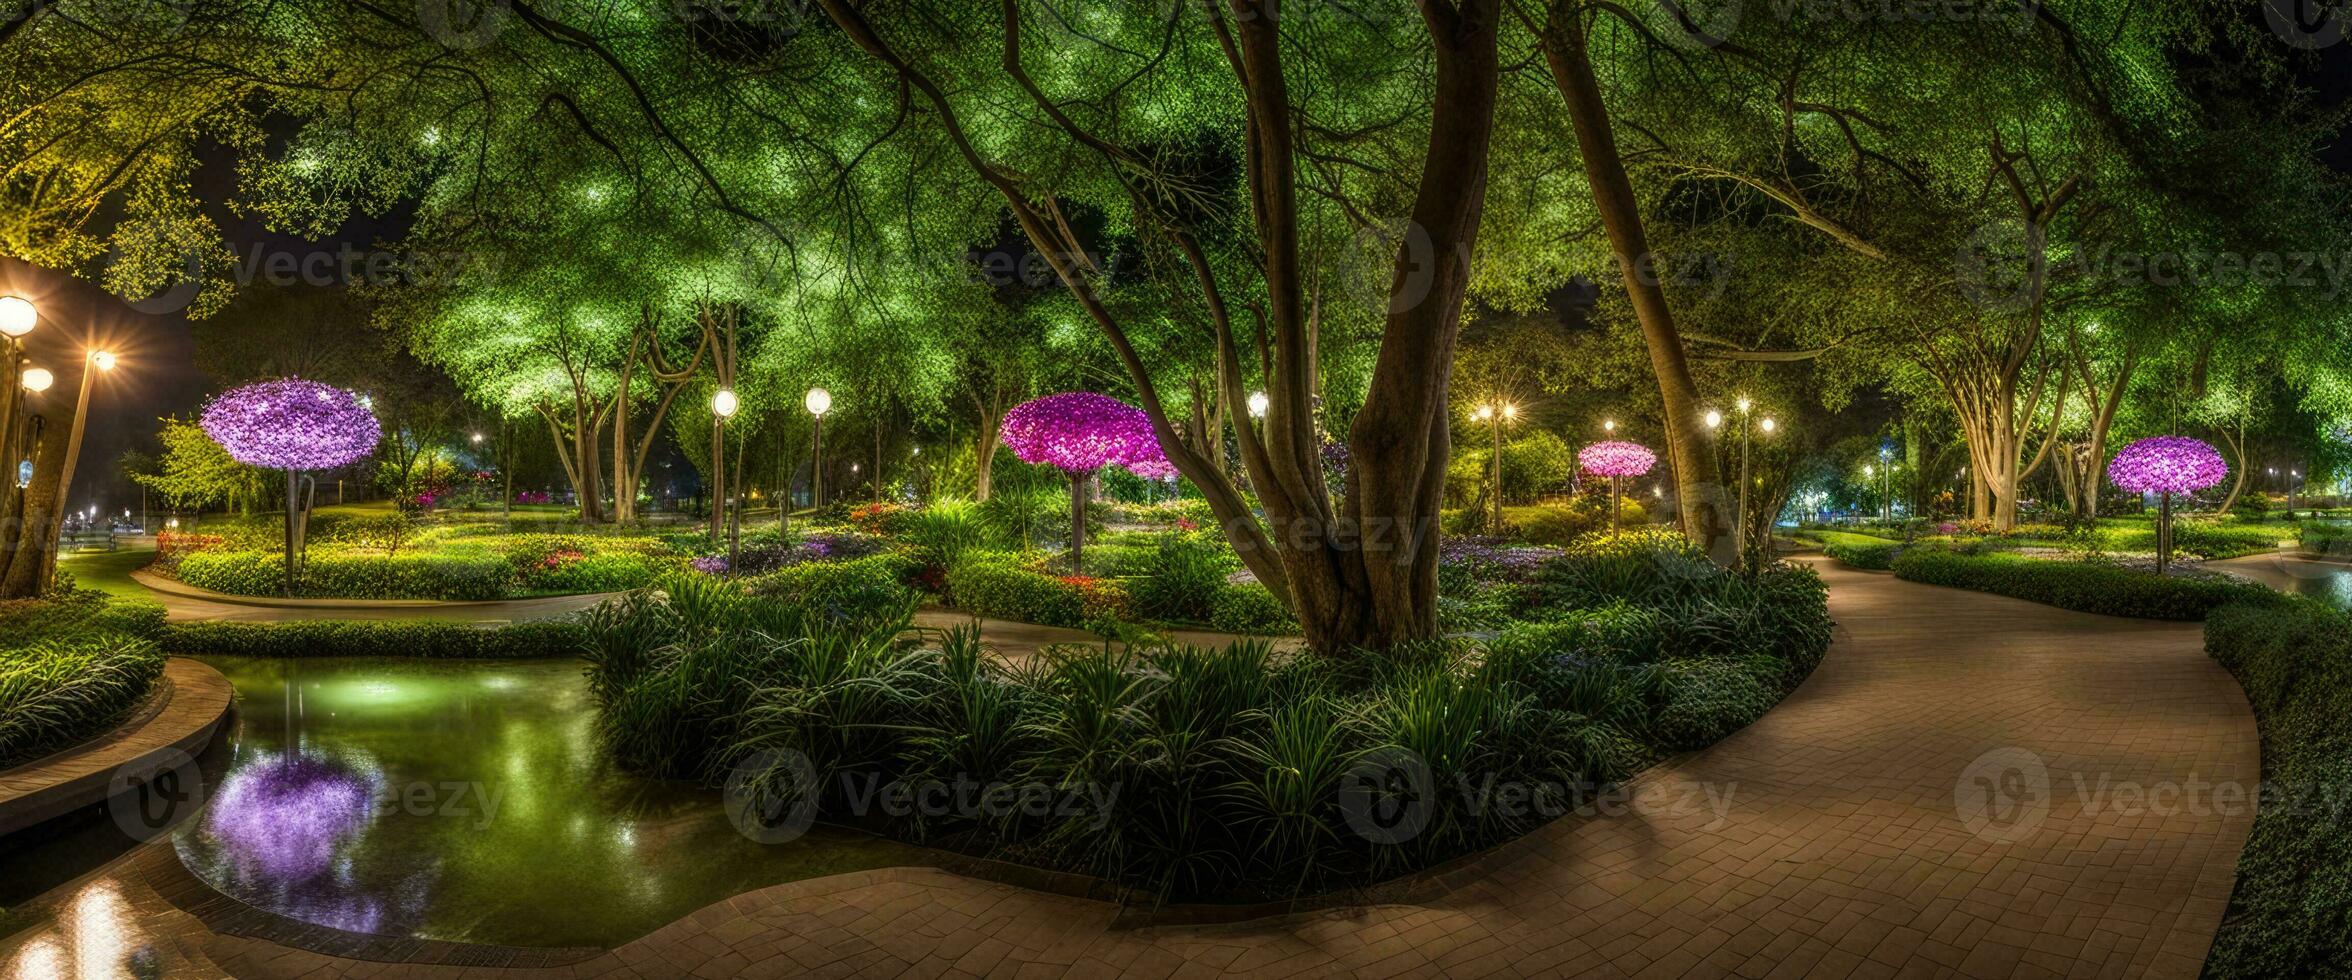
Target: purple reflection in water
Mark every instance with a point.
(283, 818)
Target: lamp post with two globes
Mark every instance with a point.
(18, 317)
(1495, 414)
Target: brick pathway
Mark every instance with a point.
(1860, 840)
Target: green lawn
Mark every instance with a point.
(109, 571)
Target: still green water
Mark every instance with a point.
(468, 801)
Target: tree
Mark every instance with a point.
(196, 473)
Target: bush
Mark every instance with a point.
(2084, 586)
(859, 588)
(376, 638)
(70, 682)
(570, 574)
(454, 576)
(2204, 538)
(997, 586)
(1181, 580)
(1250, 609)
(943, 532)
(1876, 556)
(2288, 916)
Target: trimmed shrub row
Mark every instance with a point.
(449, 575)
(377, 638)
(2290, 916)
(1875, 556)
(2084, 586)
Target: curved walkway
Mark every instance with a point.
(1969, 784)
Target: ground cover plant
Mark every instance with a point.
(1209, 773)
(71, 667)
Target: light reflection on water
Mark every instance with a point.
(467, 801)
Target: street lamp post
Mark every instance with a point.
(723, 407)
(2294, 480)
(818, 402)
(18, 317)
(92, 364)
(1496, 413)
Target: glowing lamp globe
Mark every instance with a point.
(292, 424)
(818, 402)
(2167, 464)
(725, 404)
(17, 316)
(38, 379)
(1616, 458)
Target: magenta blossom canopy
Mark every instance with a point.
(292, 424)
(2167, 464)
(1153, 469)
(1080, 432)
(1616, 458)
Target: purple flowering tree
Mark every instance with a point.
(2166, 465)
(293, 425)
(1080, 432)
(1613, 459)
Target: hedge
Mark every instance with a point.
(1876, 556)
(854, 588)
(460, 575)
(377, 638)
(996, 586)
(2292, 912)
(2082, 586)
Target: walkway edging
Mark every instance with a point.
(188, 704)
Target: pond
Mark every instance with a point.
(468, 801)
(2329, 581)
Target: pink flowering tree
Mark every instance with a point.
(297, 426)
(2166, 465)
(1614, 459)
(1079, 433)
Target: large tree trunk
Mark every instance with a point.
(1698, 488)
(984, 443)
(33, 529)
(1363, 573)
